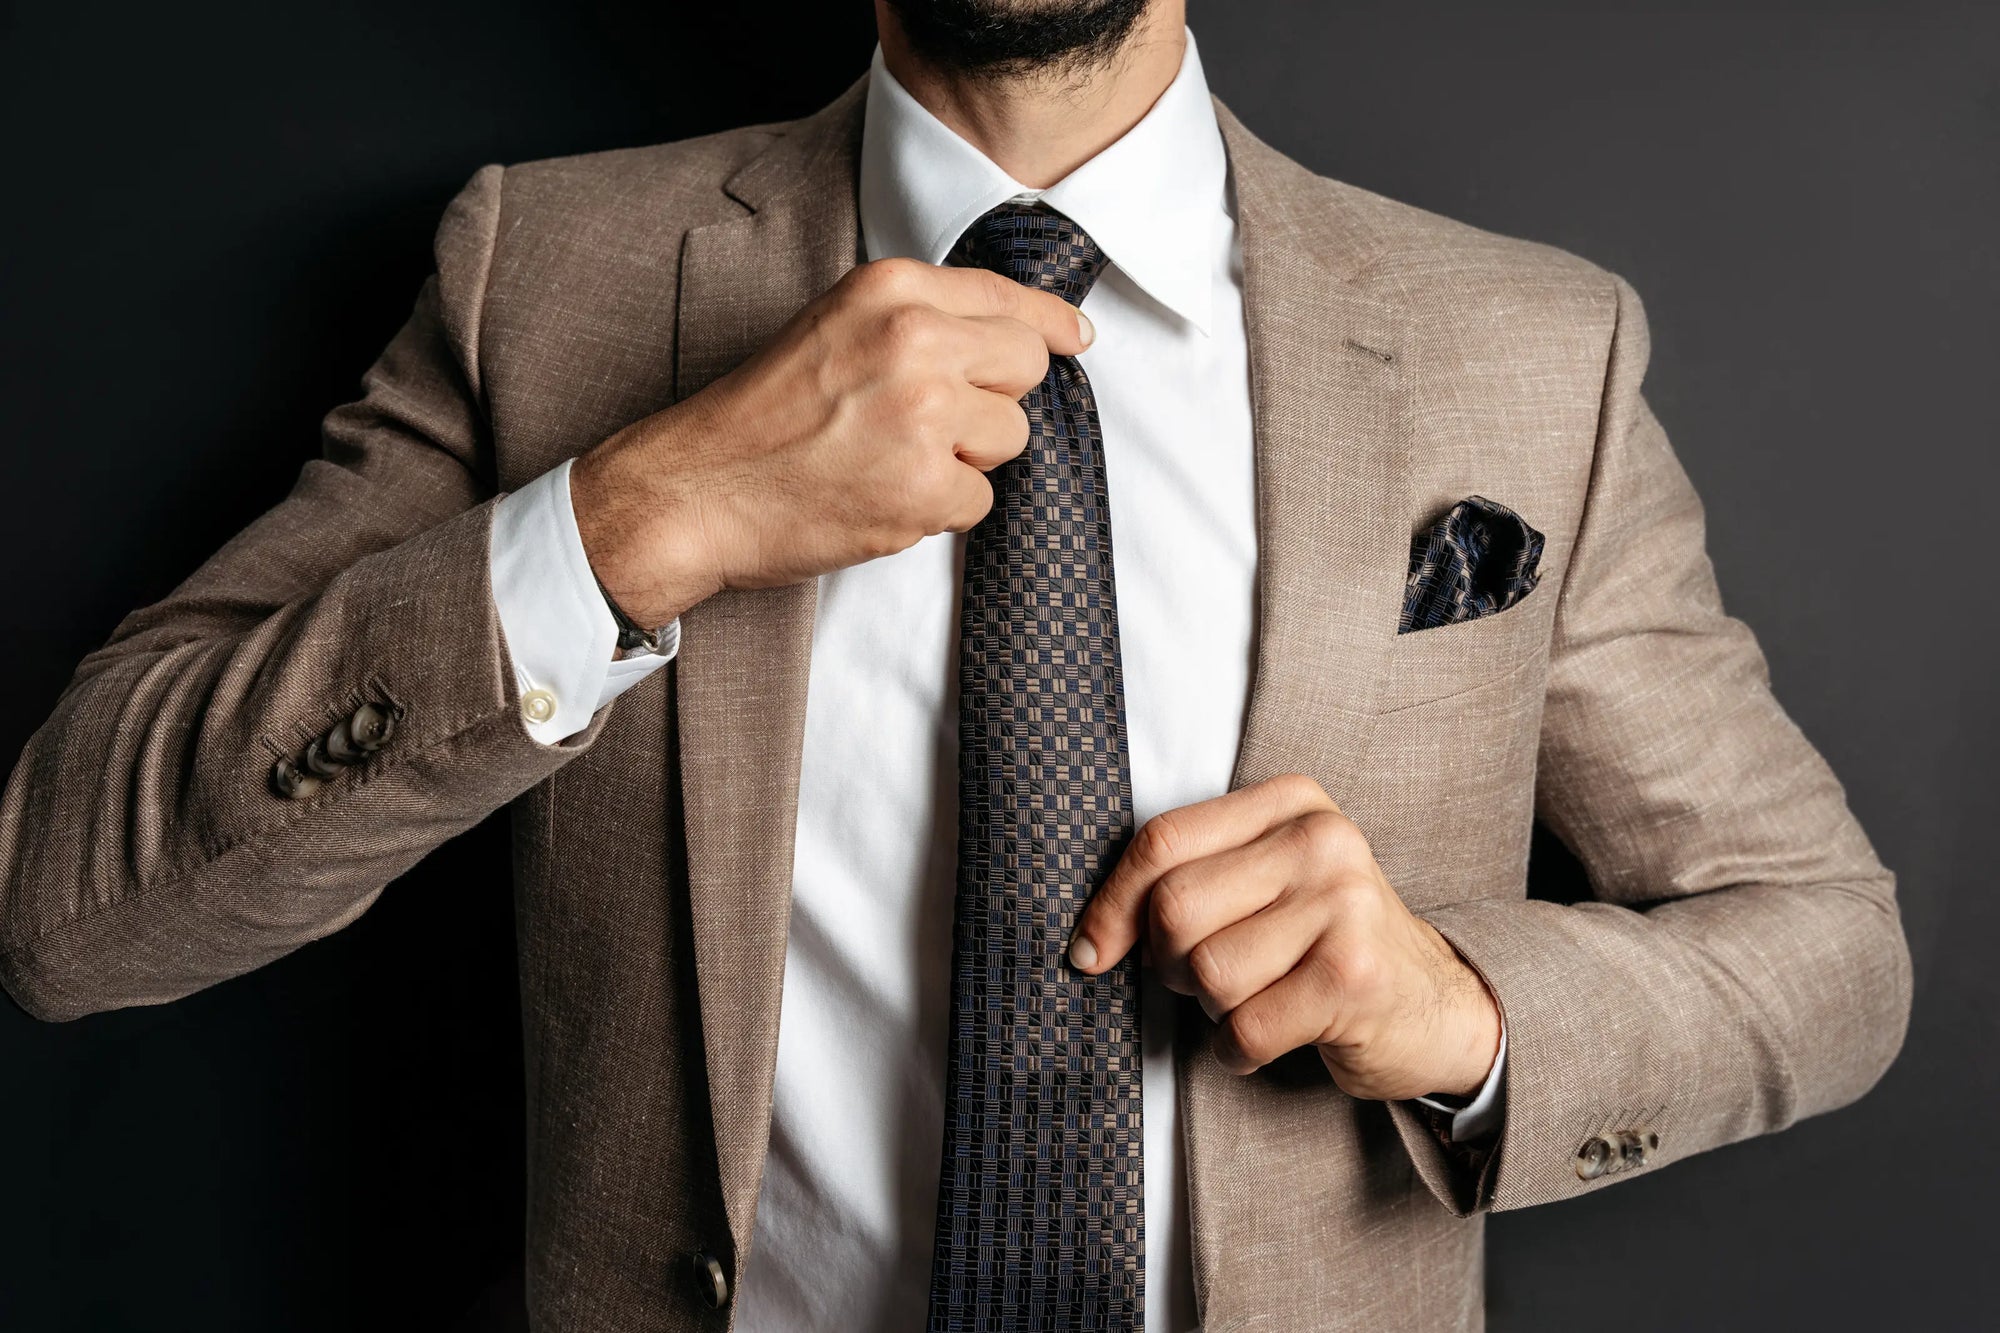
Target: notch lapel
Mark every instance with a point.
(1330, 397)
(740, 675)
(1330, 400)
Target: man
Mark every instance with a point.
(1128, 600)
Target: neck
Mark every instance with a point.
(1040, 125)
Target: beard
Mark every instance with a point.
(1011, 37)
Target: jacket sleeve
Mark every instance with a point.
(145, 851)
(1742, 963)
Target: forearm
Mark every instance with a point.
(144, 850)
(1694, 1024)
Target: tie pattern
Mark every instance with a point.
(1041, 1194)
(1477, 560)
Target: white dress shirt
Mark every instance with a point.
(847, 1211)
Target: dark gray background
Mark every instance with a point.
(217, 214)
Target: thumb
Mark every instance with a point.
(1110, 925)
(1115, 917)
(1065, 328)
(972, 292)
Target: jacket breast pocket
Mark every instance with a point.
(1430, 664)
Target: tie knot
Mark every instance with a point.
(1035, 246)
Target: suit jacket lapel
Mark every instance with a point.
(1330, 396)
(740, 677)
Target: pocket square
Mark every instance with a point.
(1478, 560)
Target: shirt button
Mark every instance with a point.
(538, 705)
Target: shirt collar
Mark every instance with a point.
(1152, 200)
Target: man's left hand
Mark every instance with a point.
(1267, 905)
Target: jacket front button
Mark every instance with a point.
(292, 782)
(1594, 1158)
(710, 1282)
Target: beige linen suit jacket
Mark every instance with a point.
(1742, 964)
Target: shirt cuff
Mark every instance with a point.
(560, 636)
(1481, 1116)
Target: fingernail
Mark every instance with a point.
(1085, 329)
(1083, 953)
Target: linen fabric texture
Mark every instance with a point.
(1741, 964)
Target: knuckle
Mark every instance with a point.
(1250, 1032)
(1210, 970)
(1161, 838)
(1027, 351)
(909, 329)
(1173, 906)
(1298, 787)
(940, 495)
(1354, 1084)
(1354, 969)
(1329, 837)
(1353, 893)
(1017, 424)
(1002, 434)
(1301, 841)
(862, 284)
(881, 279)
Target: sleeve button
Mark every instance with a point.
(538, 705)
(318, 762)
(1594, 1158)
(340, 746)
(292, 782)
(370, 727)
(1635, 1144)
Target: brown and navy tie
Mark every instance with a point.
(1041, 1198)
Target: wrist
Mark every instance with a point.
(1470, 1032)
(644, 535)
(1481, 1045)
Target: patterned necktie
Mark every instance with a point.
(1042, 1192)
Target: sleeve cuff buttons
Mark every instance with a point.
(347, 742)
(1611, 1152)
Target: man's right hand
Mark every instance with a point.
(865, 425)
